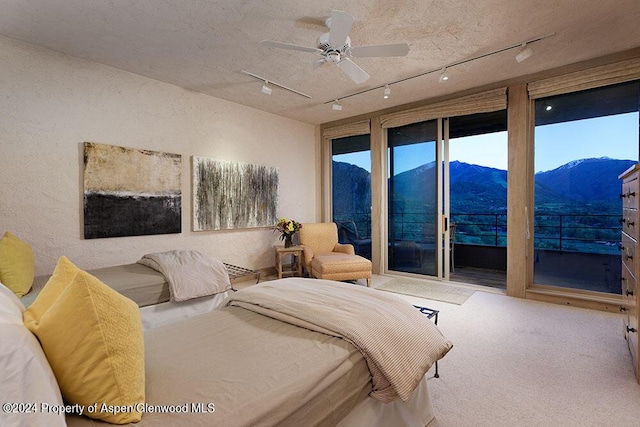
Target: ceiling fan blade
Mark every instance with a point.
(290, 46)
(307, 71)
(352, 70)
(318, 62)
(400, 49)
(341, 23)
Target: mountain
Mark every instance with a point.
(473, 188)
(480, 189)
(351, 189)
(585, 181)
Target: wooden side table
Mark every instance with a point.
(296, 266)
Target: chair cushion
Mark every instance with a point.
(320, 237)
(341, 267)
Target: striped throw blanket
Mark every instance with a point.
(398, 343)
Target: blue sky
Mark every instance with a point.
(611, 136)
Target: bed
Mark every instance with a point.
(252, 369)
(287, 352)
(150, 289)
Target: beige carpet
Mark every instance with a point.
(428, 290)
(524, 363)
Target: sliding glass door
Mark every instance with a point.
(478, 193)
(423, 184)
(415, 198)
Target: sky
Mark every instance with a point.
(557, 144)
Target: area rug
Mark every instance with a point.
(429, 290)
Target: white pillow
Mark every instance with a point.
(25, 375)
(11, 307)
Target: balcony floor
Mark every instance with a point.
(480, 276)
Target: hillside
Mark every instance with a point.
(479, 189)
(585, 181)
(351, 189)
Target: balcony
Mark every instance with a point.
(579, 251)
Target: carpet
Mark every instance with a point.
(432, 291)
(518, 362)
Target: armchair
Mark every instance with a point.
(325, 258)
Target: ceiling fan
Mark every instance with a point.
(335, 47)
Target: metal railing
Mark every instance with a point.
(578, 232)
(563, 232)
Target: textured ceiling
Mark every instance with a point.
(202, 45)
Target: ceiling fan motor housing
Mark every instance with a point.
(324, 44)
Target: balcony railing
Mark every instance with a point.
(578, 232)
(562, 232)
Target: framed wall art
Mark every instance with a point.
(231, 195)
(130, 192)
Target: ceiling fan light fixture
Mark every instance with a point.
(387, 91)
(444, 75)
(524, 53)
(266, 89)
(336, 106)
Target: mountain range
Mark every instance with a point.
(577, 185)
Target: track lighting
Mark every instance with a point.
(524, 53)
(266, 89)
(387, 92)
(444, 76)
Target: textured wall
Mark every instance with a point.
(51, 103)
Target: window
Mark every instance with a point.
(351, 191)
(583, 142)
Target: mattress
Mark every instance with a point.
(137, 282)
(142, 284)
(251, 370)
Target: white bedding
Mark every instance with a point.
(417, 411)
(154, 316)
(27, 382)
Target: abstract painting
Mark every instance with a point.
(130, 192)
(228, 195)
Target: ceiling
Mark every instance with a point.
(202, 45)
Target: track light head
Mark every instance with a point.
(524, 53)
(266, 89)
(336, 106)
(387, 92)
(444, 76)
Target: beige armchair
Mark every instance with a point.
(325, 258)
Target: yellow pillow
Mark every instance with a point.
(92, 337)
(17, 264)
(63, 274)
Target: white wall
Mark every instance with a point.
(51, 103)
